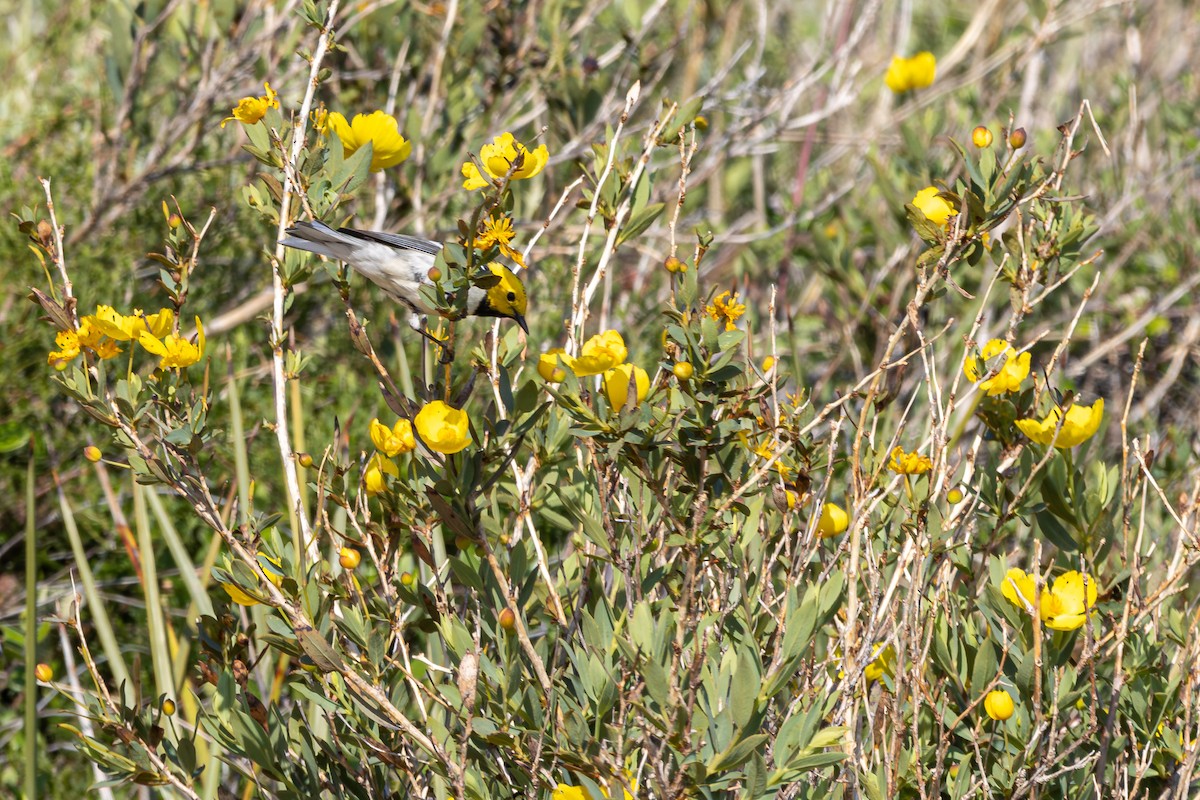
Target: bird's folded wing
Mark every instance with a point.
(397, 240)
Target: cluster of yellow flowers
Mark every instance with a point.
(1079, 423)
(101, 333)
(904, 463)
(604, 354)
(442, 428)
(1062, 607)
(726, 308)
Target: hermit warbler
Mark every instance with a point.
(400, 265)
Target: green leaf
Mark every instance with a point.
(1053, 529)
(639, 221)
(736, 754)
(316, 648)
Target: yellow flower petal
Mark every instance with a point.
(1081, 424)
(394, 440)
(549, 365)
(443, 428)
(834, 520)
(1019, 589)
(599, 354)
(616, 385)
(936, 209)
(388, 147)
(374, 480)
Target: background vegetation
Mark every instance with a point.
(677, 625)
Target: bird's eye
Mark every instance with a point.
(512, 297)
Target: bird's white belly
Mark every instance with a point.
(400, 273)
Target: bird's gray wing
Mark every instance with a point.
(397, 240)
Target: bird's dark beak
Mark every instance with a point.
(521, 321)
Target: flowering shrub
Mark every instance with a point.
(702, 530)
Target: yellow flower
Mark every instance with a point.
(599, 354)
(834, 520)
(87, 337)
(373, 476)
(766, 451)
(768, 364)
(883, 662)
(1063, 607)
(616, 385)
(1080, 423)
(320, 120)
(936, 209)
(909, 463)
(388, 147)
(566, 792)
(394, 440)
(998, 705)
(906, 74)
(548, 365)
(1008, 379)
(250, 110)
(498, 158)
(726, 307)
(175, 352)
(498, 231)
(67, 343)
(114, 325)
(1019, 589)
(275, 576)
(443, 428)
(1069, 601)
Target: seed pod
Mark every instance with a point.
(1017, 139)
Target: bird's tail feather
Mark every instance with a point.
(317, 237)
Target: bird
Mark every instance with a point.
(400, 266)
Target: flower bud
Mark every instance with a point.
(998, 705)
(349, 558)
(701, 122)
(954, 496)
(507, 619)
(407, 579)
(683, 371)
(1017, 139)
(174, 221)
(981, 137)
(304, 459)
(435, 274)
(768, 364)
(92, 453)
(673, 264)
(168, 706)
(44, 673)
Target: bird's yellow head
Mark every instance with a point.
(506, 298)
